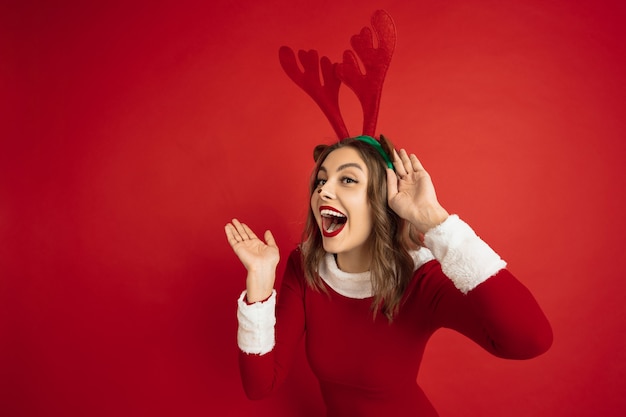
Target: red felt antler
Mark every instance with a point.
(367, 87)
(327, 95)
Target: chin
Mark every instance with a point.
(332, 246)
(329, 247)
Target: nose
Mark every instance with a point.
(325, 192)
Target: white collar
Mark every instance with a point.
(359, 285)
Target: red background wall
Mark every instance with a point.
(131, 133)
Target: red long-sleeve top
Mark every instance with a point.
(367, 366)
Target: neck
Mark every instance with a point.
(355, 261)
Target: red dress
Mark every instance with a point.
(368, 367)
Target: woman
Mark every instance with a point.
(382, 267)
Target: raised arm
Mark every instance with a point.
(411, 194)
(259, 258)
(478, 296)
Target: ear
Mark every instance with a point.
(319, 149)
(387, 146)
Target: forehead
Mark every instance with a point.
(342, 158)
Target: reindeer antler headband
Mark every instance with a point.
(367, 87)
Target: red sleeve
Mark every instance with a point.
(262, 374)
(500, 314)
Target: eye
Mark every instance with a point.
(319, 182)
(348, 180)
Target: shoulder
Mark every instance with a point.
(421, 257)
(294, 259)
(429, 280)
(294, 271)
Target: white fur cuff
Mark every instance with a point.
(465, 258)
(256, 325)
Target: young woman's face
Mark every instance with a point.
(342, 209)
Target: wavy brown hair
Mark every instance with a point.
(392, 265)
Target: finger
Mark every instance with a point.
(269, 239)
(231, 235)
(249, 231)
(398, 165)
(406, 161)
(241, 229)
(416, 164)
(392, 184)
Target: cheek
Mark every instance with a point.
(368, 216)
(368, 221)
(363, 215)
(314, 204)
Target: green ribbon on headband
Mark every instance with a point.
(379, 148)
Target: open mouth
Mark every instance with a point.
(333, 221)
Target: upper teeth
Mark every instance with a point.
(327, 212)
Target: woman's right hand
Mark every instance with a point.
(258, 257)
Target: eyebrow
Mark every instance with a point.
(344, 166)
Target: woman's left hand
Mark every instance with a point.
(411, 193)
